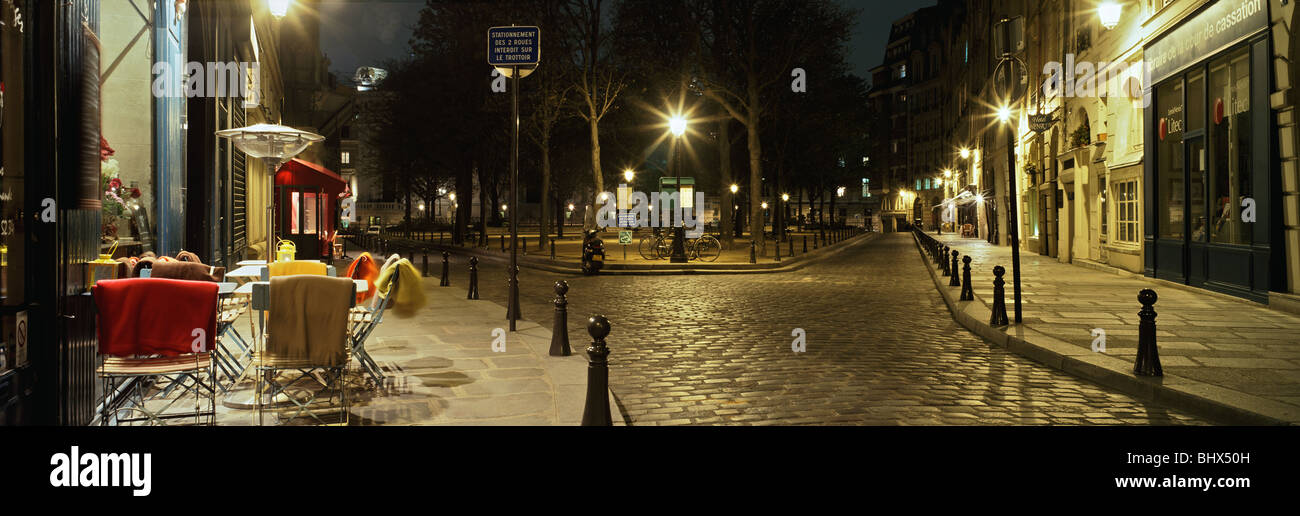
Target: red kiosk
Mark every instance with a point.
(311, 193)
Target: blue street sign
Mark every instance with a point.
(514, 46)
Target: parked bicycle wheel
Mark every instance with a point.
(647, 248)
(708, 248)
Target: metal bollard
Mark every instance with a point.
(552, 248)
(814, 241)
(943, 261)
(523, 245)
(512, 306)
(791, 242)
(446, 269)
(596, 411)
(473, 278)
(777, 251)
(805, 244)
(560, 330)
(967, 292)
(753, 258)
(1147, 362)
(425, 271)
(999, 317)
(503, 242)
(956, 281)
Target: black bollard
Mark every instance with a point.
(523, 244)
(446, 269)
(943, 261)
(560, 330)
(805, 244)
(426, 264)
(956, 280)
(999, 317)
(1148, 354)
(473, 277)
(596, 412)
(503, 242)
(512, 306)
(967, 292)
(753, 258)
(552, 248)
(791, 241)
(777, 250)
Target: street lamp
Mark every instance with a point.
(1013, 223)
(279, 8)
(677, 126)
(1004, 114)
(628, 174)
(965, 153)
(1109, 12)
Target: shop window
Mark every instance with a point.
(1230, 143)
(345, 158)
(1126, 211)
(1169, 160)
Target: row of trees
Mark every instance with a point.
(611, 72)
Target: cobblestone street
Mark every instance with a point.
(881, 348)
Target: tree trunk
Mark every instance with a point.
(724, 170)
(833, 196)
(559, 218)
(544, 218)
(755, 175)
(483, 207)
(595, 156)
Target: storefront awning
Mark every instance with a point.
(299, 172)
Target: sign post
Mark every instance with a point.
(512, 50)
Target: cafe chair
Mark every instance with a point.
(156, 338)
(307, 338)
(363, 321)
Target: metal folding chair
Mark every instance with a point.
(142, 388)
(325, 377)
(363, 321)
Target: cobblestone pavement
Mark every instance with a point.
(882, 348)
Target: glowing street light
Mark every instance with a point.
(839, 192)
(570, 206)
(504, 207)
(1109, 12)
(628, 174)
(421, 206)
(1004, 114)
(764, 205)
(965, 153)
(785, 197)
(947, 172)
(279, 8)
(677, 125)
(735, 188)
(452, 196)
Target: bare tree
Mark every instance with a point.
(597, 84)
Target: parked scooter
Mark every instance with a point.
(593, 253)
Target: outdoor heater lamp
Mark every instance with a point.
(274, 142)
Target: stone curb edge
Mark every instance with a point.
(793, 264)
(1193, 396)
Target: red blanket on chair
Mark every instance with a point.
(153, 316)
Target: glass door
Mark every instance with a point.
(301, 220)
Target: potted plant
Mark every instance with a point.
(1082, 136)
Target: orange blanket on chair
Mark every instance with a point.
(364, 268)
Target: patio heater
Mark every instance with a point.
(277, 143)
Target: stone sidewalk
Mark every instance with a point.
(1231, 358)
(441, 369)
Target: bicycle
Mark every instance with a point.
(705, 248)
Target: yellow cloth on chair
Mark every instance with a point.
(298, 267)
(410, 288)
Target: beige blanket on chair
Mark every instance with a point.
(309, 317)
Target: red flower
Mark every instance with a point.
(115, 183)
(135, 193)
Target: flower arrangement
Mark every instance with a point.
(115, 194)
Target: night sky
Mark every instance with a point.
(359, 33)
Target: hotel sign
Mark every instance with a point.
(1215, 28)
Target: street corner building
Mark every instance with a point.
(1152, 137)
(111, 110)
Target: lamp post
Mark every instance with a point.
(1013, 222)
(677, 125)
